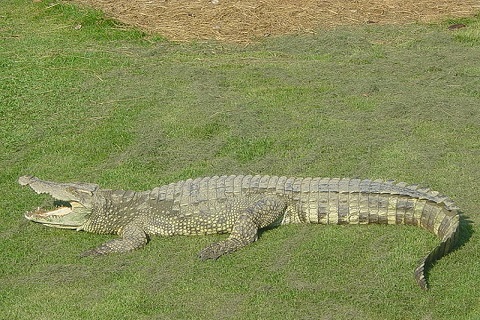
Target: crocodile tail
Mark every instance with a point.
(448, 232)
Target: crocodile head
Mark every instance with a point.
(74, 202)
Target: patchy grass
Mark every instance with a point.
(84, 98)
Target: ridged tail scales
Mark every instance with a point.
(355, 201)
(448, 232)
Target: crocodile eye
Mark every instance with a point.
(79, 192)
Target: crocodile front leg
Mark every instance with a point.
(245, 230)
(132, 237)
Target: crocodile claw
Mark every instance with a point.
(212, 251)
(89, 253)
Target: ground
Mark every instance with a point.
(247, 20)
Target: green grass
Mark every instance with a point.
(108, 104)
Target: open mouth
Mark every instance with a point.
(43, 213)
(65, 214)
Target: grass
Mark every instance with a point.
(84, 98)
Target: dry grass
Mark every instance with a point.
(247, 20)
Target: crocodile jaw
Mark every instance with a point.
(71, 216)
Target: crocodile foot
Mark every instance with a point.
(91, 252)
(217, 249)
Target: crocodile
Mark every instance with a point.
(241, 205)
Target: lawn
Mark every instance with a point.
(83, 98)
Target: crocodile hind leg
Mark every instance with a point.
(260, 214)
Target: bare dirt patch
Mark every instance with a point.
(247, 20)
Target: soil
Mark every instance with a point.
(250, 20)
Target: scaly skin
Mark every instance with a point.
(241, 205)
